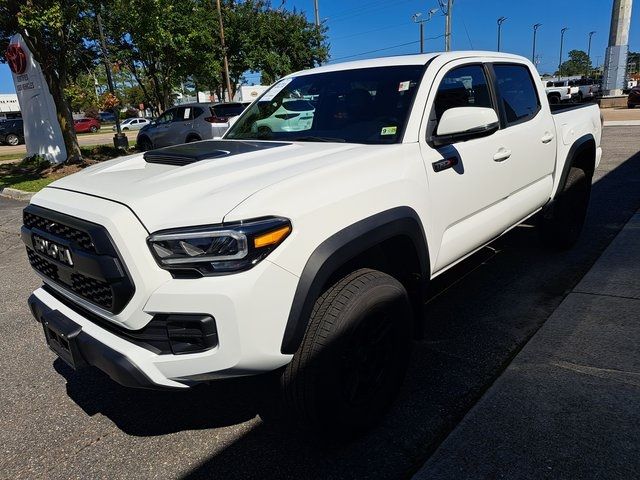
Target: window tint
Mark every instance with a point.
(167, 116)
(229, 110)
(197, 111)
(463, 87)
(517, 92)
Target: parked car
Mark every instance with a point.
(84, 125)
(559, 92)
(12, 131)
(291, 115)
(189, 122)
(634, 97)
(132, 124)
(587, 88)
(107, 117)
(307, 256)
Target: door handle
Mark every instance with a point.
(502, 154)
(547, 137)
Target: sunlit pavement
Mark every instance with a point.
(57, 423)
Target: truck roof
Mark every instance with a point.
(419, 59)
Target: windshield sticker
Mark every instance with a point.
(275, 90)
(388, 130)
(404, 86)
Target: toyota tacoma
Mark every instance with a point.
(304, 252)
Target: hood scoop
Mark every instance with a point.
(189, 153)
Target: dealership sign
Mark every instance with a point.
(42, 132)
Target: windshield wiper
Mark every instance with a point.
(310, 138)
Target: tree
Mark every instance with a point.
(54, 31)
(579, 63)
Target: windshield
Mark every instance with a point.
(368, 105)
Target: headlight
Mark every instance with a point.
(219, 248)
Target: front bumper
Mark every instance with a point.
(84, 350)
(250, 308)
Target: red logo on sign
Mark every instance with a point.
(16, 58)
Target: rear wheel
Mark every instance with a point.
(145, 144)
(192, 138)
(554, 99)
(264, 132)
(12, 139)
(93, 129)
(353, 357)
(561, 225)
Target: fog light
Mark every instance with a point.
(189, 333)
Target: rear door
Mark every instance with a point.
(530, 130)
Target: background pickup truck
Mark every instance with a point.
(561, 91)
(304, 253)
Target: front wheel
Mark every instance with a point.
(353, 357)
(12, 139)
(561, 224)
(144, 144)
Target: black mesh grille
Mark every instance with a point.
(93, 290)
(82, 239)
(88, 288)
(46, 268)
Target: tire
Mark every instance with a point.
(580, 97)
(125, 129)
(554, 99)
(12, 139)
(192, 139)
(145, 144)
(629, 105)
(353, 358)
(561, 225)
(264, 132)
(93, 129)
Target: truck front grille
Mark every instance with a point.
(95, 273)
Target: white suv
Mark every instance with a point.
(190, 122)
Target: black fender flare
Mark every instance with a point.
(338, 249)
(578, 146)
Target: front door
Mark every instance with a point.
(467, 197)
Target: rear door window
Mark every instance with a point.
(517, 93)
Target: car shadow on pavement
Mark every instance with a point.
(478, 317)
(141, 412)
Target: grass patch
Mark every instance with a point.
(34, 173)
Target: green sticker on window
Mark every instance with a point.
(388, 130)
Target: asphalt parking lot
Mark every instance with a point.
(56, 423)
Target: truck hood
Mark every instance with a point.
(199, 183)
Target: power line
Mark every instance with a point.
(367, 9)
(374, 51)
(382, 49)
(371, 31)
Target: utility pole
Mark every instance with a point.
(564, 29)
(500, 22)
(315, 5)
(447, 26)
(535, 32)
(224, 52)
(119, 139)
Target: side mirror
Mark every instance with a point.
(153, 123)
(465, 123)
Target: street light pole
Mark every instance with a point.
(420, 21)
(500, 22)
(591, 34)
(535, 32)
(564, 29)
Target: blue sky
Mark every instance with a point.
(357, 26)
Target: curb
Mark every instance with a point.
(16, 194)
(621, 123)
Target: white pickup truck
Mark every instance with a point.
(561, 91)
(306, 253)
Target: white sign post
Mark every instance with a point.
(42, 131)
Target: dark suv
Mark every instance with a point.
(12, 131)
(634, 97)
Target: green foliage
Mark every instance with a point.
(37, 162)
(578, 64)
